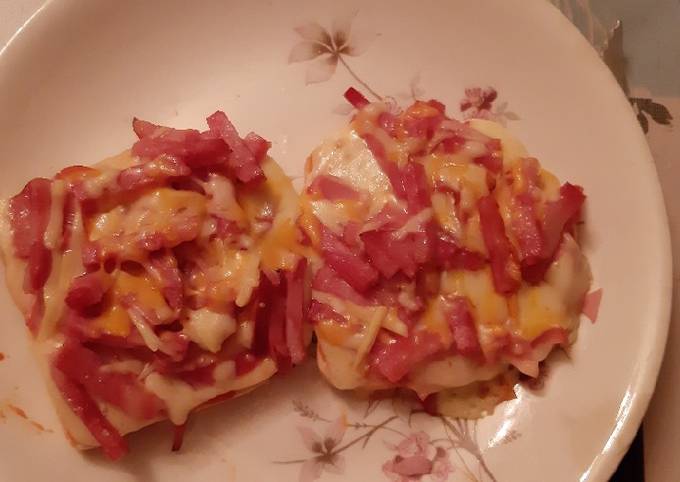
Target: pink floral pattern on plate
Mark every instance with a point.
(480, 103)
(323, 49)
(413, 455)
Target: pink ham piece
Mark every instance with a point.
(409, 183)
(257, 145)
(504, 267)
(319, 312)
(29, 213)
(463, 328)
(192, 147)
(559, 217)
(350, 266)
(591, 304)
(447, 254)
(356, 98)
(151, 174)
(163, 268)
(327, 280)
(241, 160)
(395, 359)
(87, 290)
(391, 254)
(123, 390)
(493, 159)
(112, 443)
(332, 188)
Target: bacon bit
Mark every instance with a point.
(355, 98)
(332, 188)
(591, 304)
(2, 356)
(504, 267)
(463, 328)
(178, 437)
(241, 159)
(350, 266)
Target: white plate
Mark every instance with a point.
(74, 77)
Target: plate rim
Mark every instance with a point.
(642, 384)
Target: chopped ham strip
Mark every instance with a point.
(350, 266)
(355, 98)
(396, 358)
(506, 273)
(465, 338)
(112, 443)
(242, 160)
(332, 188)
(591, 304)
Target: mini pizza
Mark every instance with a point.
(445, 256)
(158, 281)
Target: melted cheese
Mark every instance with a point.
(347, 157)
(152, 213)
(489, 308)
(336, 214)
(65, 267)
(279, 245)
(371, 328)
(118, 162)
(558, 301)
(53, 233)
(512, 148)
(14, 267)
(209, 329)
(452, 371)
(223, 199)
(433, 320)
(114, 321)
(181, 398)
(233, 276)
